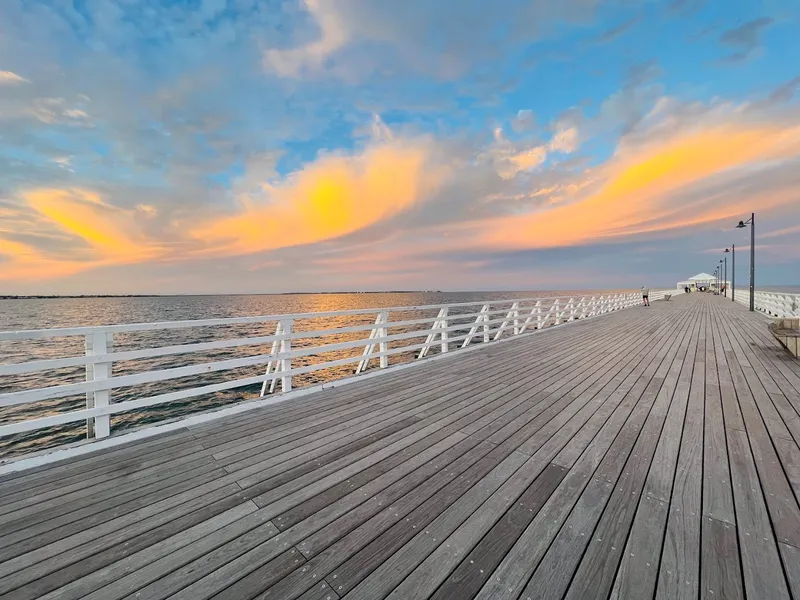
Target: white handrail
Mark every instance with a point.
(449, 331)
(775, 304)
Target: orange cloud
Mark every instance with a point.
(106, 235)
(332, 197)
(644, 189)
(21, 262)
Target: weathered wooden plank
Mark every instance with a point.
(261, 470)
(791, 565)
(378, 583)
(790, 459)
(312, 505)
(155, 570)
(479, 563)
(321, 591)
(292, 586)
(721, 575)
(85, 585)
(761, 565)
(554, 573)
(72, 509)
(55, 493)
(31, 538)
(110, 459)
(763, 430)
(638, 570)
(525, 555)
(252, 584)
(287, 479)
(679, 571)
(717, 495)
(595, 573)
(244, 553)
(51, 573)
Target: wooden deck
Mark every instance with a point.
(649, 453)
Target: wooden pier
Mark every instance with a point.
(647, 453)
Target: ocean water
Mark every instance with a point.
(74, 312)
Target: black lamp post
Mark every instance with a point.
(732, 251)
(725, 277)
(742, 224)
(721, 278)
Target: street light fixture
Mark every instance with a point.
(742, 224)
(732, 252)
(723, 272)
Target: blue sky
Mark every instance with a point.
(202, 146)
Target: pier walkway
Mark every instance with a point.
(647, 453)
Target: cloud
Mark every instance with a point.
(565, 140)
(745, 40)
(334, 196)
(353, 38)
(784, 92)
(310, 57)
(99, 234)
(697, 175)
(609, 35)
(786, 231)
(9, 78)
(524, 121)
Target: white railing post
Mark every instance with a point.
(573, 310)
(367, 353)
(98, 344)
(514, 310)
(272, 365)
(438, 324)
(486, 324)
(383, 345)
(516, 318)
(539, 318)
(474, 329)
(536, 310)
(286, 362)
(557, 314)
(445, 335)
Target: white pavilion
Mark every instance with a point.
(701, 281)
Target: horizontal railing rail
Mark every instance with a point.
(454, 326)
(775, 304)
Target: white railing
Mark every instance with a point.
(772, 303)
(454, 326)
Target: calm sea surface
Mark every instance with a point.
(48, 313)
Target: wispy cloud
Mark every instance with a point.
(619, 30)
(745, 40)
(9, 78)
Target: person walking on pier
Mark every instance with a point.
(646, 295)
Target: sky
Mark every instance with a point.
(258, 146)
